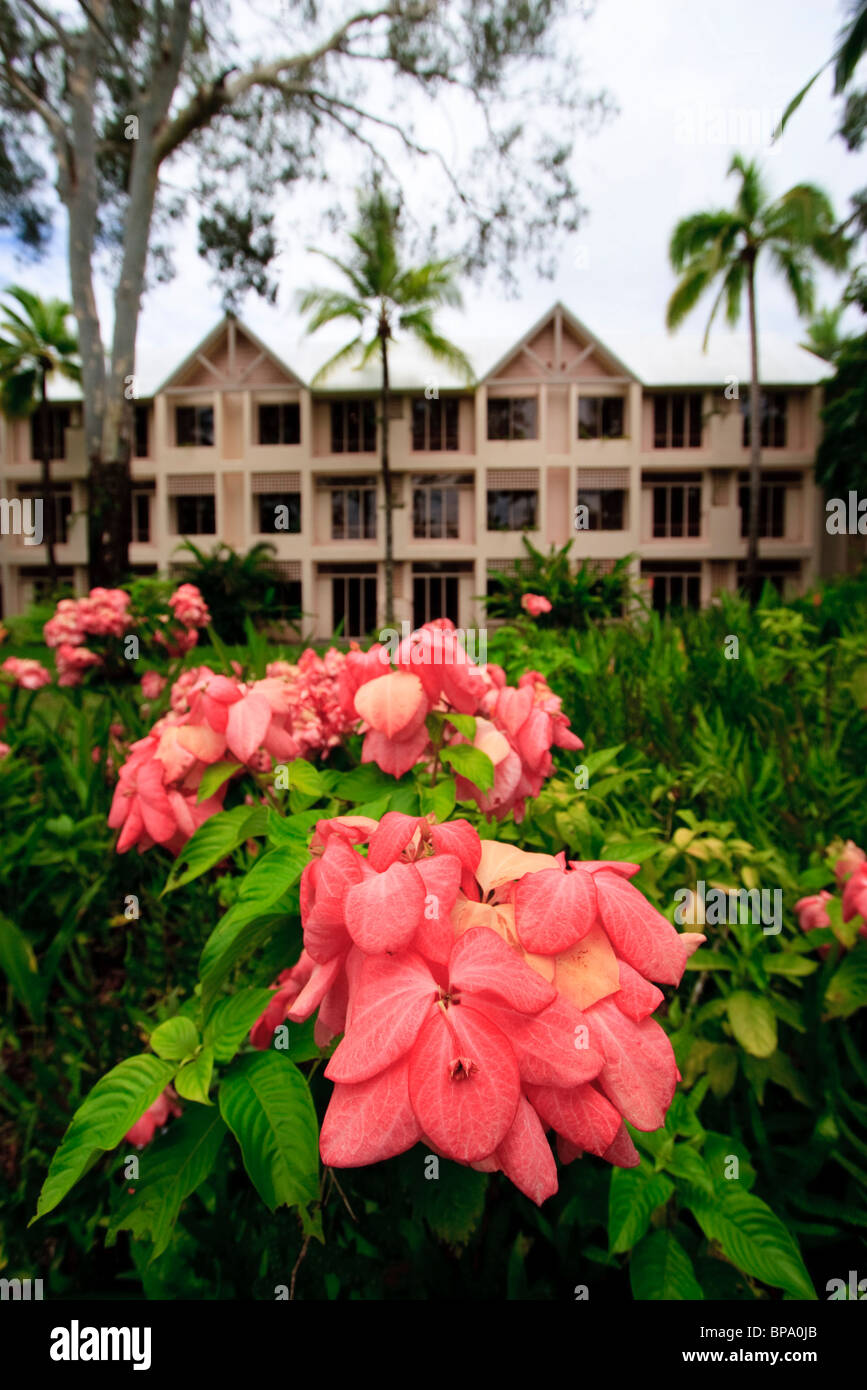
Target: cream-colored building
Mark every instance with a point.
(559, 439)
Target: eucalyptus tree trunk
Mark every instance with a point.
(385, 399)
(50, 518)
(752, 577)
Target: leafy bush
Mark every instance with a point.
(578, 597)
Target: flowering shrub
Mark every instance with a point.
(434, 676)
(814, 911)
(108, 615)
(437, 707)
(27, 674)
(484, 995)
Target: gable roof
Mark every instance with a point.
(229, 328)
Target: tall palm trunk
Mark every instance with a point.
(50, 518)
(753, 579)
(387, 480)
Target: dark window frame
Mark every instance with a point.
(194, 426)
(284, 425)
(513, 418)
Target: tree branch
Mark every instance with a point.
(52, 23)
(215, 97)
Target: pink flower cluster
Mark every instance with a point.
(535, 605)
(485, 995)
(850, 870)
(26, 673)
(105, 613)
(213, 718)
(515, 728)
(319, 720)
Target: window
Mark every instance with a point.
(600, 417)
(37, 585)
(353, 427)
(141, 515)
(677, 420)
(141, 436)
(606, 508)
(785, 575)
(512, 509)
(434, 424)
(353, 603)
(62, 509)
(512, 417)
(195, 514)
(55, 432)
(435, 589)
(673, 586)
(353, 509)
(676, 505)
(280, 424)
(772, 509)
(772, 409)
(279, 511)
(436, 505)
(194, 426)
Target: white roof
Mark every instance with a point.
(654, 359)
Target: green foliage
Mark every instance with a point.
(236, 586)
(696, 767)
(578, 596)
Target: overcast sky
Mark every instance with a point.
(690, 79)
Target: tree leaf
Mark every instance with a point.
(752, 1238)
(439, 800)
(661, 1269)
(175, 1039)
(847, 988)
(266, 1102)
(633, 1197)
(117, 1100)
(753, 1022)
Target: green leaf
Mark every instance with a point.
(788, 963)
(470, 763)
(633, 1197)
(364, 783)
(18, 963)
(753, 1022)
(175, 1039)
(117, 1100)
(175, 1168)
(847, 988)
(722, 1069)
(438, 801)
(231, 1020)
(684, 1162)
(272, 875)
(453, 1202)
(718, 1152)
(303, 777)
(213, 778)
(661, 1269)
(291, 830)
(266, 1102)
(753, 1239)
(193, 1081)
(464, 723)
(214, 840)
(247, 940)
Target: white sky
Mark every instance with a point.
(683, 73)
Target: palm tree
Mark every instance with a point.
(35, 343)
(384, 294)
(721, 248)
(824, 336)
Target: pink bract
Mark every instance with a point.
(485, 995)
